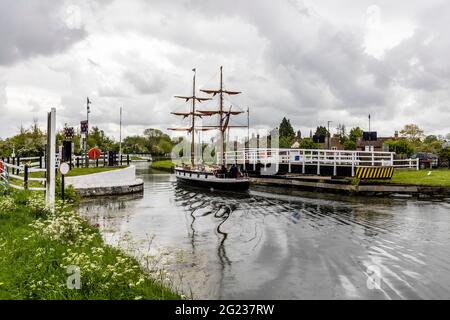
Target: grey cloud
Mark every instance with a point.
(146, 83)
(29, 28)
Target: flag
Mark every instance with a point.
(369, 116)
(194, 70)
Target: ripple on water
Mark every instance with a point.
(262, 244)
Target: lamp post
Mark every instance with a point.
(88, 110)
(328, 133)
(120, 134)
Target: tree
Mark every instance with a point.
(135, 144)
(321, 131)
(444, 156)
(349, 145)
(153, 143)
(285, 142)
(412, 132)
(286, 129)
(27, 143)
(308, 143)
(430, 139)
(286, 134)
(401, 146)
(355, 133)
(431, 143)
(97, 138)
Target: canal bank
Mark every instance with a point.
(59, 256)
(113, 182)
(377, 188)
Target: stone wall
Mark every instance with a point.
(114, 182)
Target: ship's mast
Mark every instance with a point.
(192, 113)
(222, 131)
(224, 116)
(193, 121)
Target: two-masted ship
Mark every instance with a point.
(216, 176)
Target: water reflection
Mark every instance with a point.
(267, 245)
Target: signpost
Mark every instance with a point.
(64, 169)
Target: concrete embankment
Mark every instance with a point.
(115, 182)
(341, 187)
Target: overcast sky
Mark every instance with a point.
(311, 61)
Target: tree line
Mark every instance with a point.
(411, 139)
(29, 142)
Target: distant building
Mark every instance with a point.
(335, 144)
(377, 145)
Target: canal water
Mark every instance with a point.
(276, 244)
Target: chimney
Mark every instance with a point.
(396, 134)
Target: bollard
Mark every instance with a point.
(25, 177)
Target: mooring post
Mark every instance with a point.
(318, 163)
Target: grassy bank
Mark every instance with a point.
(37, 249)
(163, 166)
(437, 178)
(85, 171)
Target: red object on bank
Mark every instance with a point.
(94, 153)
(1, 167)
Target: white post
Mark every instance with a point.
(318, 163)
(304, 160)
(289, 161)
(51, 158)
(334, 167)
(353, 164)
(417, 164)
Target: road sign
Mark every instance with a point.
(94, 153)
(84, 126)
(64, 168)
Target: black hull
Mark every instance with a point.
(228, 186)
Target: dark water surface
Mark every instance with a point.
(266, 245)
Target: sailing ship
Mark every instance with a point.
(197, 174)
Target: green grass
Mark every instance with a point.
(36, 248)
(163, 165)
(85, 171)
(73, 172)
(438, 178)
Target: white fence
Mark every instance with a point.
(19, 176)
(406, 164)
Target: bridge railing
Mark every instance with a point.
(318, 157)
(407, 164)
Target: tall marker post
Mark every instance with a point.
(51, 158)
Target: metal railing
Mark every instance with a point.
(303, 157)
(406, 164)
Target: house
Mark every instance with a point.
(377, 145)
(335, 144)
